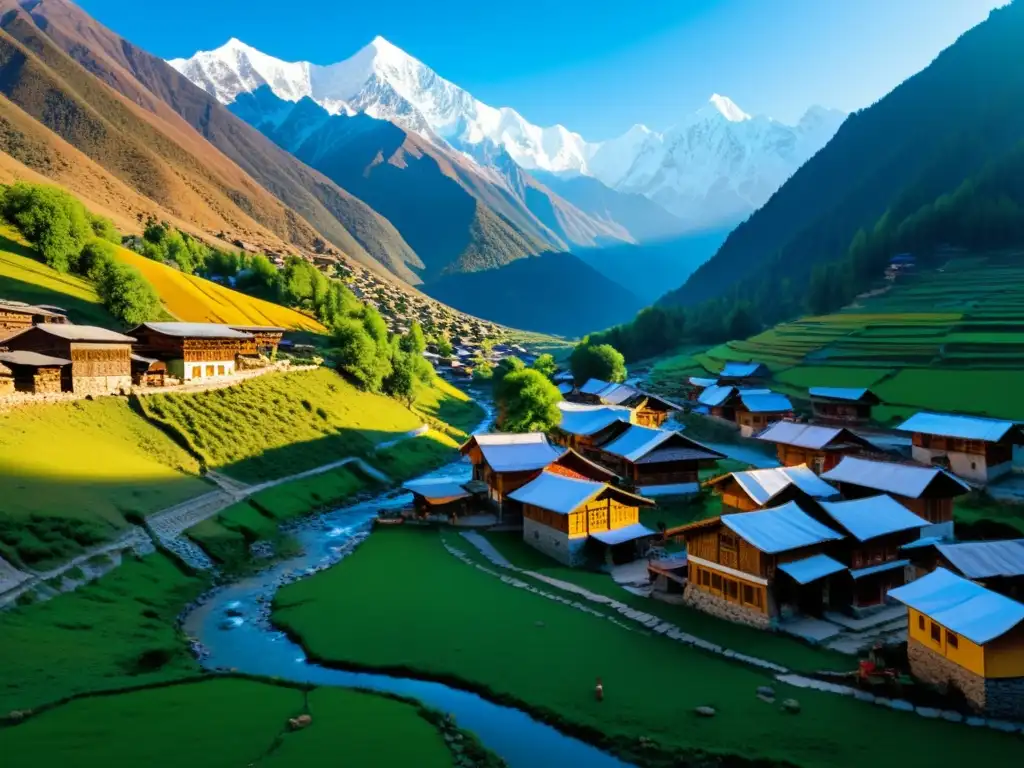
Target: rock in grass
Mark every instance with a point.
(705, 711)
(766, 693)
(300, 722)
(791, 705)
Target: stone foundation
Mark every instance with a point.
(101, 385)
(553, 543)
(997, 697)
(695, 597)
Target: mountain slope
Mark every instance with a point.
(163, 114)
(918, 142)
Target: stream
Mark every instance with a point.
(234, 627)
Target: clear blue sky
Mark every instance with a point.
(596, 66)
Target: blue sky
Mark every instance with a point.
(593, 65)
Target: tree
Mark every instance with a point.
(54, 221)
(104, 229)
(355, 353)
(597, 362)
(501, 371)
(546, 365)
(96, 257)
(741, 323)
(126, 294)
(414, 341)
(529, 402)
(444, 347)
(403, 382)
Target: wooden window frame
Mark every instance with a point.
(952, 639)
(936, 633)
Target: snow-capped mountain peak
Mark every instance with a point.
(727, 108)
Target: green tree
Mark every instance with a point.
(104, 229)
(414, 341)
(501, 371)
(96, 257)
(355, 353)
(444, 347)
(602, 361)
(54, 221)
(546, 365)
(126, 294)
(529, 402)
(741, 323)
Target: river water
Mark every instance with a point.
(234, 627)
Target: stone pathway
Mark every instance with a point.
(10, 577)
(420, 430)
(655, 624)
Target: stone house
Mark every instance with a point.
(100, 358)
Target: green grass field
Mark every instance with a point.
(226, 722)
(71, 472)
(113, 632)
(460, 623)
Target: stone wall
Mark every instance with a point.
(695, 597)
(101, 385)
(995, 697)
(553, 543)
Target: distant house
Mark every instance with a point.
(505, 462)
(562, 516)
(648, 409)
(194, 350)
(820, 448)
(148, 371)
(696, 385)
(757, 489)
(756, 409)
(965, 637)
(925, 491)
(16, 316)
(265, 339)
(977, 449)
(842, 405)
(33, 372)
(100, 358)
(744, 374)
(759, 567)
(443, 497)
(657, 462)
(876, 528)
(997, 565)
(585, 427)
(718, 400)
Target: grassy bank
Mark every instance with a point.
(550, 655)
(72, 472)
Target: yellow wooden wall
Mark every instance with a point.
(1003, 657)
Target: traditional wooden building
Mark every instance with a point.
(756, 410)
(757, 489)
(148, 371)
(820, 448)
(33, 372)
(965, 637)
(564, 517)
(648, 409)
(194, 350)
(573, 464)
(657, 462)
(996, 565)
(265, 339)
(842, 405)
(719, 400)
(979, 450)
(442, 497)
(695, 386)
(505, 462)
(16, 316)
(100, 358)
(759, 567)
(585, 427)
(744, 374)
(876, 529)
(925, 491)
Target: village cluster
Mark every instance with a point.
(42, 353)
(847, 526)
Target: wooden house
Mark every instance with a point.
(442, 497)
(695, 386)
(759, 567)
(648, 409)
(265, 339)
(925, 491)
(997, 565)
(842, 405)
(585, 427)
(979, 450)
(876, 528)
(16, 316)
(504, 462)
(574, 520)
(755, 410)
(965, 637)
(194, 351)
(33, 372)
(657, 462)
(148, 371)
(573, 464)
(719, 400)
(100, 358)
(757, 489)
(820, 448)
(744, 374)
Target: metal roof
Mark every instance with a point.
(986, 559)
(872, 516)
(763, 485)
(871, 570)
(674, 489)
(812, 568)
(31, 359)
(559, 493)
(852, 394)
(962, 606)
(800, 435)
(624, 534)
(586, 420)
(71, 332)
(594, 386)
(258, 328)
(437, 490)
(698, 381)
(197, 330)
(716, 394)
(638, 442)
(616, 394)
(564, 388)
(899, 479)
(741, 370)
(29, 309)
(955, 425)
(765, 402)
(924, 541)
(779, 529)
(515, 453)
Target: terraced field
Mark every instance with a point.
(950, 340)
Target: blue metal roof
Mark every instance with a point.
(779, 529)
(872, 516)
(838, 393)
(956, 425)
(872, 569)
(812, 568)
(769, 402)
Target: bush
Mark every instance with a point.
(104, 229)
(597, 362)
(54, 221)
(126, 294)
(528, 402)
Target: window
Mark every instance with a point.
(936, 633)
(220, 370)
(197, 372)
(920, 623)
(705, 578)
(952, 640)
(728, 542)
(209, 370)
(748, 594)
(732, 589)
(716, 582)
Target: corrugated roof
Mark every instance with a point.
(962, 606)
(955, 425)
(616, 394)
(515, 453)
(638, 442)
(762, 485)
(198, 330)
(622, 535)
(873, 516)
(779, 529)
(770, 402)
(586, 420)
(673, 489)
(871, 570)
(29, 309)
(31, 359)
(986, 559)
(557, 493)
(594, 386)
(437, 489)
(679, 453)
(716, 395)
(899, 479)
(801, 435)
(924, 541)
(812, 568)
(697, 381)
(70, 332)
(741, 370)
(852, 394)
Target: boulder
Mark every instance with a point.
(791, 705)
(705, 711)
(765, 692)
(300, 722)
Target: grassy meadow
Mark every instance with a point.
(521, 647)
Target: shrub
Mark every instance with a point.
(54, 221)
(104, 229)
(126, 294)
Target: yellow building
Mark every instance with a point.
(964, 635)
(562, 515)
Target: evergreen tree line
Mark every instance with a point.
(70, 239)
